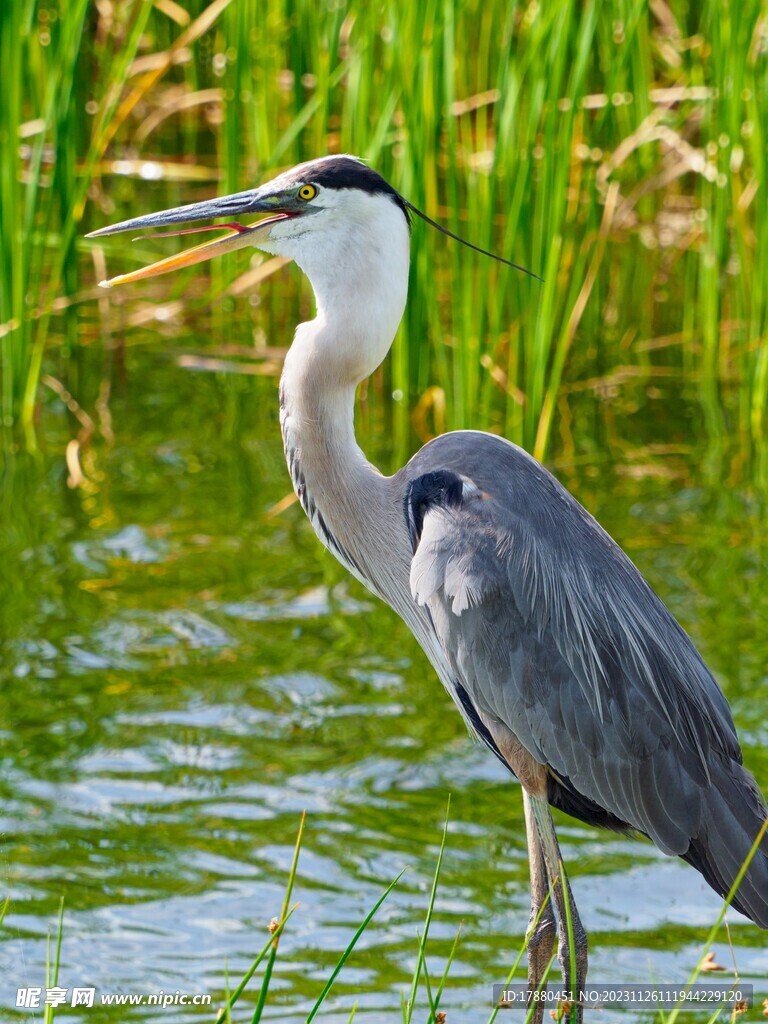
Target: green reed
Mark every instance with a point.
(619, 154)
(51, 84)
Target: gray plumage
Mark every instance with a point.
(553, 633)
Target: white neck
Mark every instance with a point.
(360, 291)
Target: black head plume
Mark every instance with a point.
(470, 245)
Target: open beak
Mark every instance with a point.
(280, 206)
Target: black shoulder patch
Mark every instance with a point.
(349, 172)
(428, 491)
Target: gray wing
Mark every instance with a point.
(553, 633)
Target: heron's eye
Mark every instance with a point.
(307, 192)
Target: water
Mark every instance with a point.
(185, 671)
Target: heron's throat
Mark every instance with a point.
(333, 480)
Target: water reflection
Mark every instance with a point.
(184, 675)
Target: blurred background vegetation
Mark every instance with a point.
(618, 149)
(183, 670)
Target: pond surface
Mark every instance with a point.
(185, 671)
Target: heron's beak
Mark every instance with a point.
(280, 206)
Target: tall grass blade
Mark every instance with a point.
(521, 952)
(351, 945)
(411, 1002)
(286, 903)
(672, 1018)
(225, 1012)
(435, 1005)
(52, 966)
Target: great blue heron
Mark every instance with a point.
(556, 651)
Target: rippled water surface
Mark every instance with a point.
(185, 672)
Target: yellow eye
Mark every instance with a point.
(307, 192)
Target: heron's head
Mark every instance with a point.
(335, 212)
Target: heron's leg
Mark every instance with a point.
(541, 932)
(564, 903)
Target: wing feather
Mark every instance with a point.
(555, 635)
